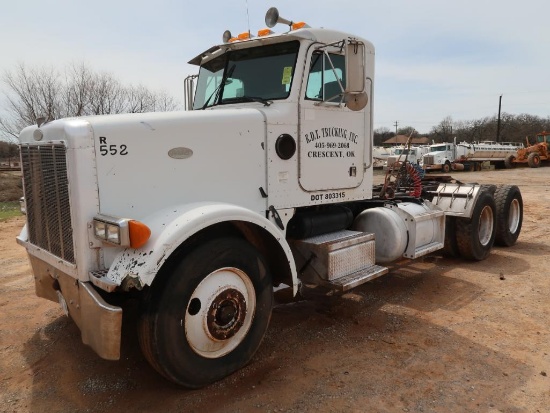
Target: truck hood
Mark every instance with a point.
(150, 159)
(436, 153)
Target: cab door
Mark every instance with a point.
(332, 137)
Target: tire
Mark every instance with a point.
(509, 214)
(509, 162)
(475, 236)
(478, 166)
(207, 317)
(471, 167)
(533, 160)
(446, 167)
(450, 248)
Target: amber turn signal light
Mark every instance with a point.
(139, 233)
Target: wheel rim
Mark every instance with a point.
(220, 312)
(485, 225)
(514, 216)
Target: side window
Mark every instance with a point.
(322, 83)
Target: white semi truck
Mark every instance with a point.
(412, 154)
(199, 214)
(445, 157)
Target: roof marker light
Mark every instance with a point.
(265, 32)
(244, 36)
(299, 25)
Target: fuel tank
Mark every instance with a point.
(405, 229)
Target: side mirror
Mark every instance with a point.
(355, 66)
(355, 94)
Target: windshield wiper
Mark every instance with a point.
(218, 89)
(248, 99)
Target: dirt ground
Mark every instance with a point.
(435, 335)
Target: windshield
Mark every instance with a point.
(438, 148)
(255, 74)
(405, 151)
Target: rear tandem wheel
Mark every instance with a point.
(450, 247)
(509, 214)
(475, 236)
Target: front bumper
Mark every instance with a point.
(100, 323)
(436, 167)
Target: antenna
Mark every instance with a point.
(248, 17)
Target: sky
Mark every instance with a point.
(434, 58)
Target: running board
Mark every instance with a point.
(350, 281)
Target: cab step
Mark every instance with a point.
(342, 259)
(350, 281)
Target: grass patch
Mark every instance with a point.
(11, 188)
(9, 210)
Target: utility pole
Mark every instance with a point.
(498, 122)
(396, 123)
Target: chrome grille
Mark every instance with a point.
(47, 198)
(428, 160)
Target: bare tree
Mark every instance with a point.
(9, 151)
(514, 128)
(406, 130)
(34, 93)
(107, 96)
(443, 132)
(77, 93)
(381, 134)
(45, 92)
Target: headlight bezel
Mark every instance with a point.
(111, 230)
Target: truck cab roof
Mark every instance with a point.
(320, 35)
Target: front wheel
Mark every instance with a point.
(475, 236)
(446, 167)
(208, 317)
(533, 160)
(509, 214)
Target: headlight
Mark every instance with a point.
(112, 230)
(122, 232)
(113, 234)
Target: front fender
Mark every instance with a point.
(171, 227)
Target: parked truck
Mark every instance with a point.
(380, 156)
(199, 214)
(468, 156)
(412, 154)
